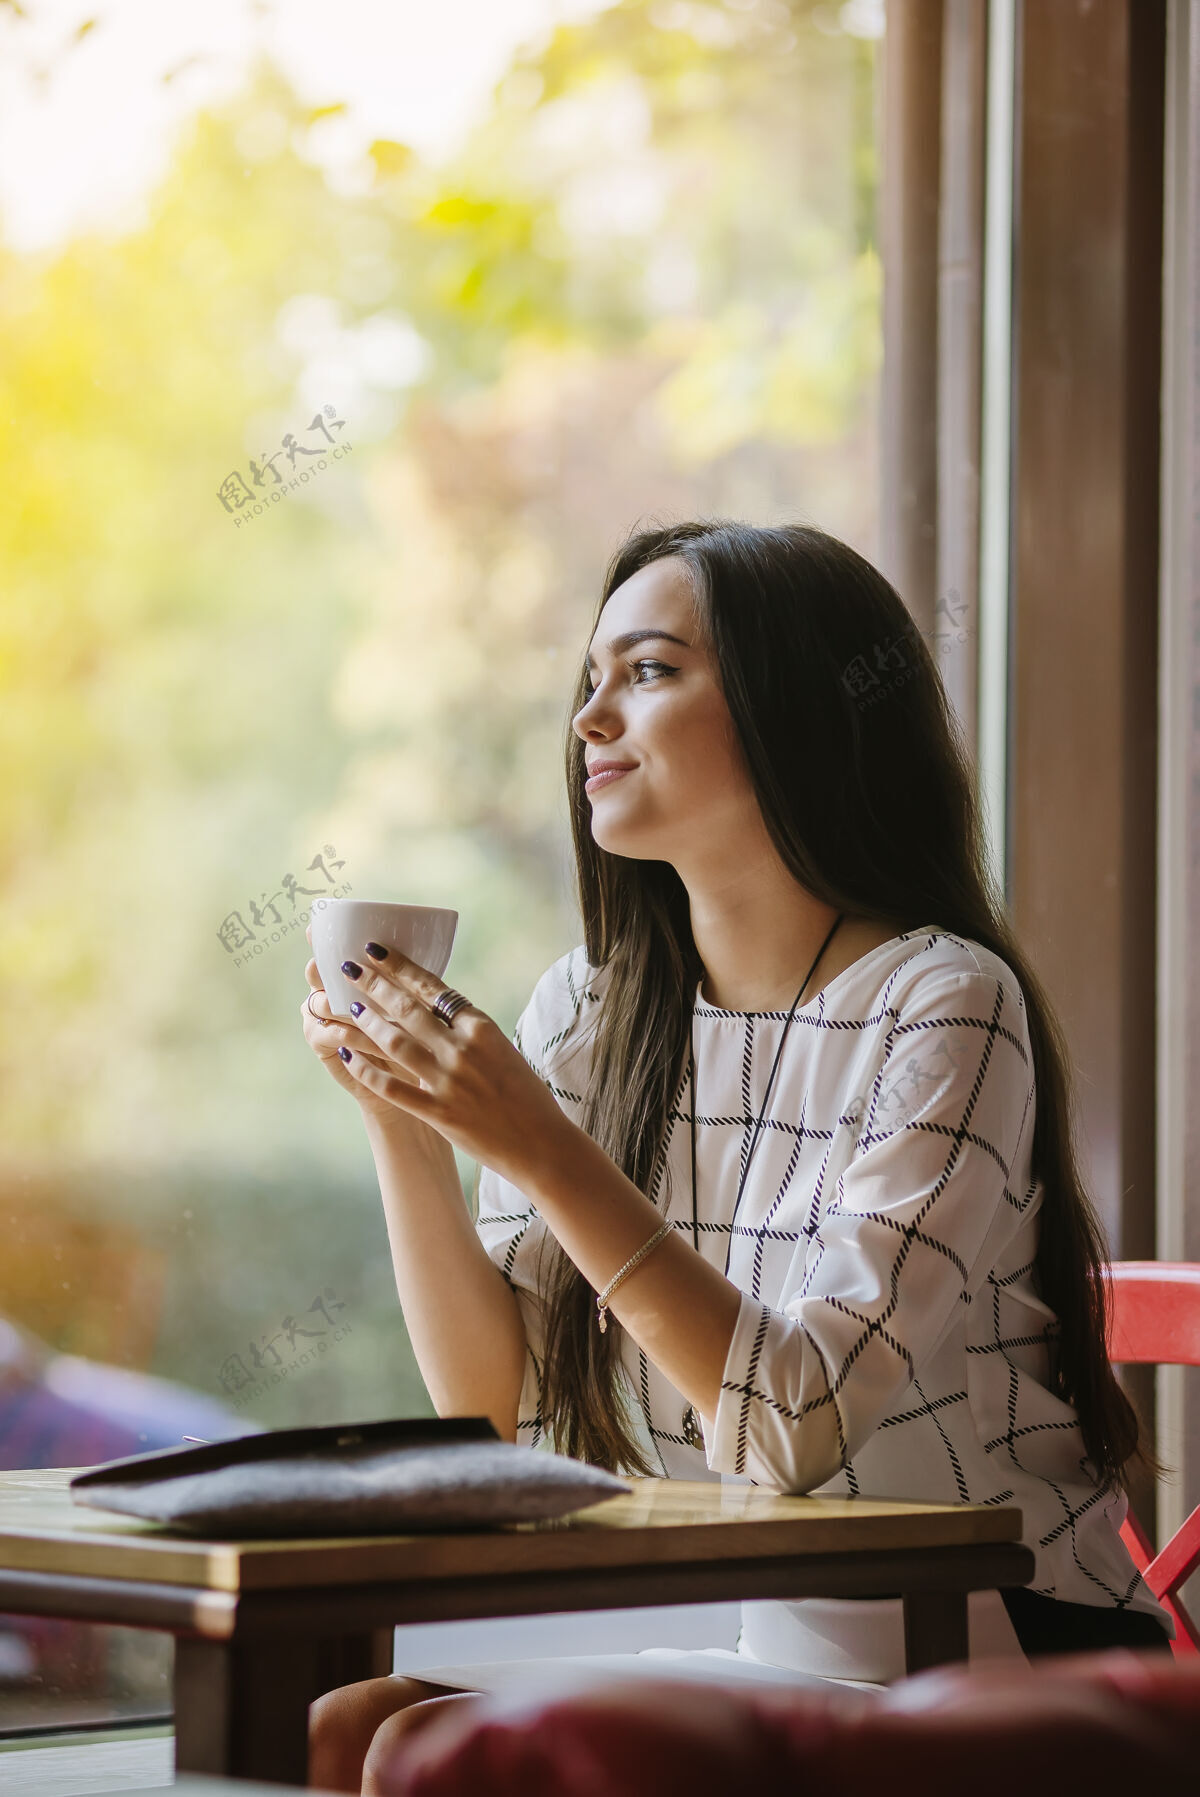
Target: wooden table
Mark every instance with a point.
(263, 1627)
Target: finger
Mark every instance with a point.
(394, 1042)
(389, 1086)
(316, 1006)
(405, 992)
(330, 1033)
(313, 976)
(331, 1029)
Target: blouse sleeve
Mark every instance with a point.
(903, 1241)
(511, 1230)
(513, 1234)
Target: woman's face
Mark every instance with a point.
(656, 708)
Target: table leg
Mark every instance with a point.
(935, 1628)
(241, 1706)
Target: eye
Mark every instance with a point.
(637, 666)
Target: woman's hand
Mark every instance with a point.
(325, 1034)
(473, 1085)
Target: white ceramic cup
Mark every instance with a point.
(342, 928)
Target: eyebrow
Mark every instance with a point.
(631, 637)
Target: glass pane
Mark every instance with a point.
(340, 355)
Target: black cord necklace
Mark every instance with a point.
(691, 1421)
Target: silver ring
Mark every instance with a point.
(312, 1013)
(448, 1004)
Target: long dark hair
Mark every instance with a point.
(890, 830)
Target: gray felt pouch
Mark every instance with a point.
(379, 1478)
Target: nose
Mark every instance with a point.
(586, 723)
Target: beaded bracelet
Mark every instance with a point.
(610, 1288)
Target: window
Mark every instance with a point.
(340, 359)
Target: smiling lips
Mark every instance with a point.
(606, 772)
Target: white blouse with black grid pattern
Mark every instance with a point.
(891, 1341)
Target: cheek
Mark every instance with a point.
(697, 773)
(705, 752)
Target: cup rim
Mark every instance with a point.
(389, 905)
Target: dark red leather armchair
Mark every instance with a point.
(1115, 1722)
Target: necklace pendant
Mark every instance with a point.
(691, 1428)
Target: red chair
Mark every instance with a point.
(1102, 1723)
(1154, 1319)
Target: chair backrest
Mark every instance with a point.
(1154, 1319)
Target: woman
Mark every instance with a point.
(777, 1181)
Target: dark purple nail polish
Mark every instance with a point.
(345, 1053)
(355, 1007)
(351, 969)
(380, 954)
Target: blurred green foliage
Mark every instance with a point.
(647, 287)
